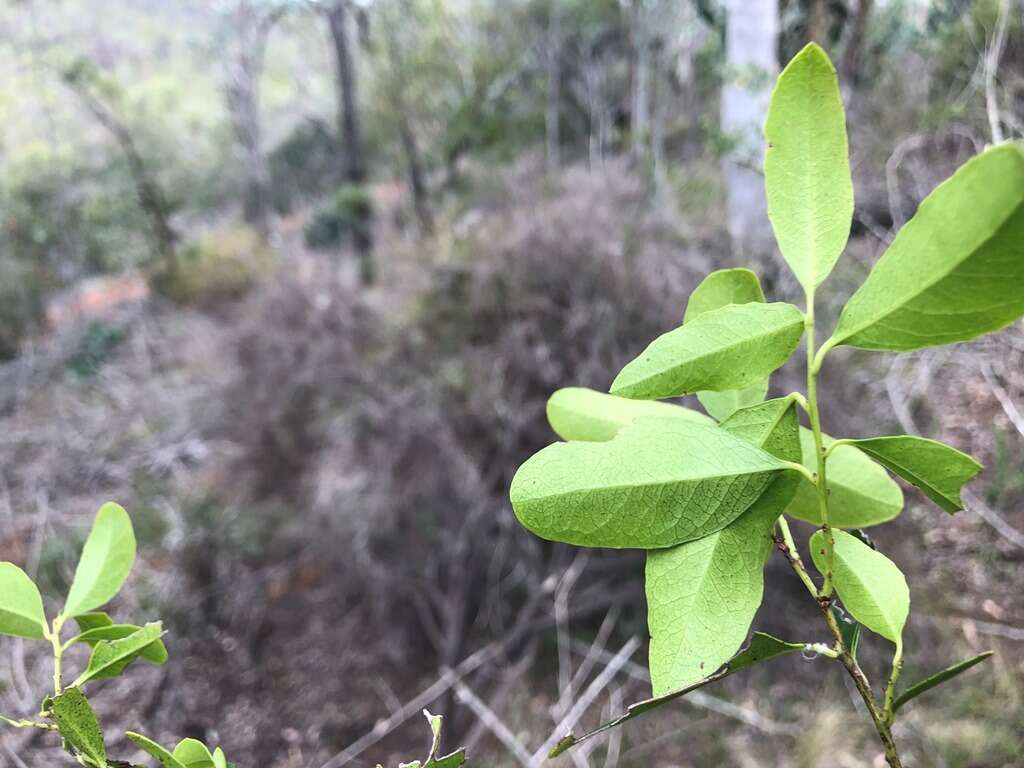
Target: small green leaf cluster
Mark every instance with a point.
(106, 560)
(708, 495)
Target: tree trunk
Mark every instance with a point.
(417, 182)
(640, 110)
(751, 39)
(241, 92)
(350, 149)
(554, 96)
(353, 168)
(817, 23)
(150, 197)
(853, 55)
(406, 134)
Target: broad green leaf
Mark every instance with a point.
(702, 595)
(870, 585)
(93, 620)
(151, 748)
(937, 469)
(762, 648)
(219, 760)
(192, 753)
(937, 679)
(154, 653)
(722, 405)
(454, 760)
(728, 348)
(21, 607)
(577, 413)
(720, 288)
(106, 561)
(807, 167)
(955, 271)
(110, 657)
(78, 725)
(657, 483)
(772, 425)
(861, 493)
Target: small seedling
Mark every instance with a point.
(709, 496)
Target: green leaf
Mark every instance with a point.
(154, 653)
(453, 760)
(219, 760)
(93, 620)
(955, 271)
(21, 606)
(720, 288)
(151, 748)
(807, 167)
(861, 493)
(657, 483)
(728, 348)
(937, 679)
(772, 425)
(702, 595)
(937, 469)
(106, 561)
(192, 753)
(577, 413)
(722, 405)
(870, 585)
(762, 648)
(110, 657)
(78, 725)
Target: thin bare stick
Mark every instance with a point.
(993, 518)
(597, 685)
(1009, 407)
(494, 724)
(993, 53)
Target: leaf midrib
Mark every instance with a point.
(746, 340)
(658, 485)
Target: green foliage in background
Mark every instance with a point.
(347, 213)
(709, 502)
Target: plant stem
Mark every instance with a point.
(881, 718)
(23, 723)
(814, 416)
(785, 544)
(787, 547)
(890, 689)
(53, 635)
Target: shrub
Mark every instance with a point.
(300, 166)
(348, 213)
(218, 267)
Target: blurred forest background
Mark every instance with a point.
(292, 282)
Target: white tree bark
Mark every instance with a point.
(752, 31)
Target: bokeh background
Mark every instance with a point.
(291, 281)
